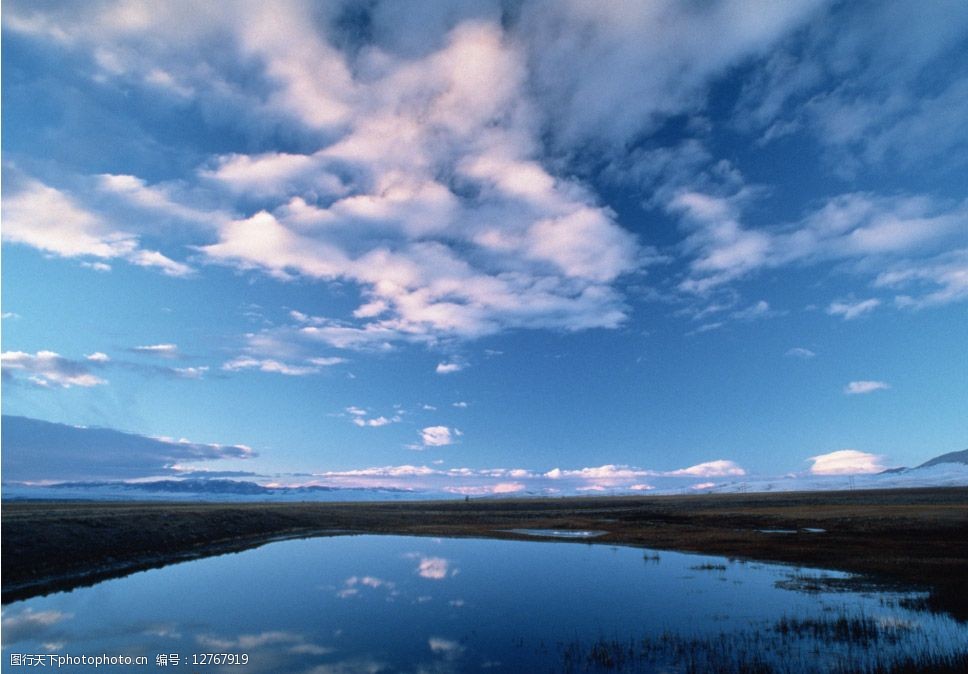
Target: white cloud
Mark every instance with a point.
(98, 357)
(163, 350)
(846, 462)
(448, 368)
(460, 404)
(607, 472)
(435, 568)
(48, 219)
(191, 372)
(760, 309)
(488, 489)
(936, 281)
(852, 310)
(375, 422)
(445, 647)
(270, 365)
(719, 468)
(864, 386)
(48, 369)
(882, 105)
(867, 229)
(31, 624)
(800, 352)
(437, 436)
(533, 250)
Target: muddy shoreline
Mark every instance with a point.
(916, 537)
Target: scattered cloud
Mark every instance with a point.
(755, 311)
(449, 367)
(375, 422)
(445, 647)
(315, 366)
(936, 281)
(48, 369)
(800, 352)
(460, 404)
(864, 386)
(846, 462)
(31, 624)
(98, 357)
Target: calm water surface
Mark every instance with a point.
(391, 603)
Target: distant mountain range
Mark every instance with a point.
(946, 470)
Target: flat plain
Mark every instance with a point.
(914, 537)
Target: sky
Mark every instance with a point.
(493, 246)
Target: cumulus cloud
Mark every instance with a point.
(35, 450)
(48, 369)
(865, 386)
(438, 436)
(449, 367)
(425, 188)
(800, 352)
(98, 357)
(51, 220)
(846, 462)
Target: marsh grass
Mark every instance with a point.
(843, 644)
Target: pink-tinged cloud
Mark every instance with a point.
(847, 462)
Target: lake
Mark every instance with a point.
(406, 604)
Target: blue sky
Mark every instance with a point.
(476, 243)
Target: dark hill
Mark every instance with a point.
(950, 457)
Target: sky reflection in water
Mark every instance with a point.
(390, 603)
